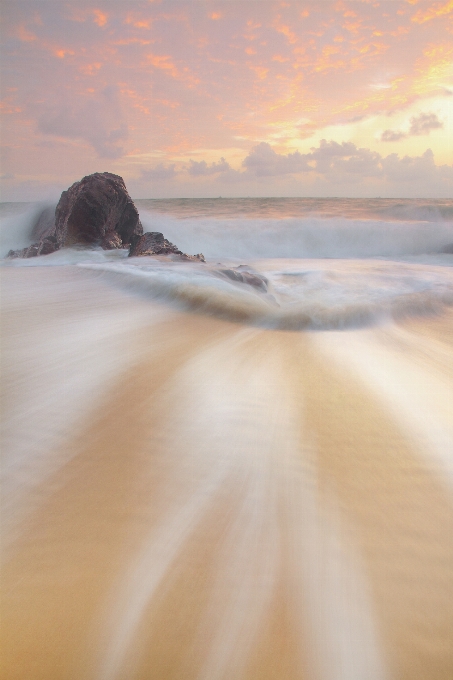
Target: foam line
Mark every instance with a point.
(419, 396)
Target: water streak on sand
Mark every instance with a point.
(192, 490)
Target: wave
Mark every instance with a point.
(307, 237)
(320, 298)
(18, 223)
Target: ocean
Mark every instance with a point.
(233, 470)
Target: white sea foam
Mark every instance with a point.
(330, 229)
(274, 510)
(312, 294)
(16, 225)
(311, 237)
(418, 393)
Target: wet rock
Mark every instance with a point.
(97, 211)
(154, 243)
(199, 257)
(111, 241)
(44, 247)
(245, 274)
(44, 226)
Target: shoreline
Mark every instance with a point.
(225, 493)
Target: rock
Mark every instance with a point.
(245, 274)
(447, 249)
(44, 247)
(199, 257)
(154, 243)
(97, 211)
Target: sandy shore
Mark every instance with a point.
(190, 498)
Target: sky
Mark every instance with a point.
(225, 98)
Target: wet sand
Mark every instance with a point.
(190, 498)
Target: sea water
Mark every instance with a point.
(204, 478)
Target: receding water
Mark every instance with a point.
(213, 480)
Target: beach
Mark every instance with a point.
(192, 496)
(226, 340)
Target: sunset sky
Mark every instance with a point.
(209, 97)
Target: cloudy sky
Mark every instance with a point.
(226, 97)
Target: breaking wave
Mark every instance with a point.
(327, 271)
(424, 229)
(318, 297)
(311, 237)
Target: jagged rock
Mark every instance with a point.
(154, 243)
(97, 211)
(245, 274)
(199, 257)
(44, 247)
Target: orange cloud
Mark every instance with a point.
(162, 62)
(138, 23)
(91, 69)
(286, 31)
(260, 71)
(437, 10)
(401, 30)
(6, 107)
(352, 27)
(130, 41)
(250, 50)
(215, 16)
(24, 35)
(99, 17)
(61, 53)
(435, 70)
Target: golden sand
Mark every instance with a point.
(234, 502)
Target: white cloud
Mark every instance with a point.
(424, 123)
(392, 135)
(419, 125)
(201, 168)
(264, 161)
(346, 165)
(160, 172)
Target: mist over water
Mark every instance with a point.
(213, 480)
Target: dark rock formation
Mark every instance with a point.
(447, 249)
(154, 243)
(44, 247)
(97, 211)
(245, 274)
